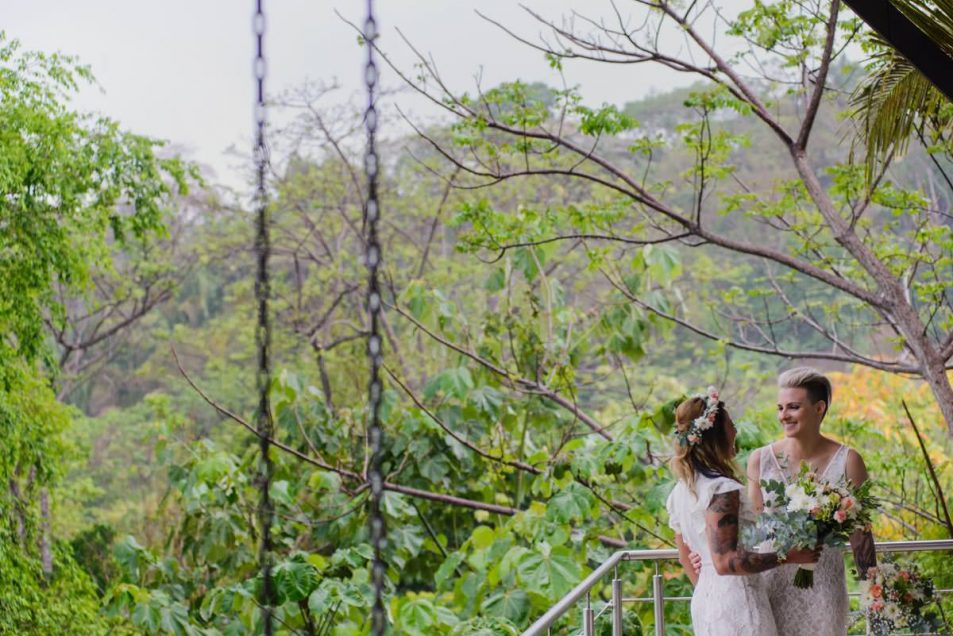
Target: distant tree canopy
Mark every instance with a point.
(557, 275)
(72, 187)
(849, 269)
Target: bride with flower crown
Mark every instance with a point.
(705, 510)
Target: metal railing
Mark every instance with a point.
(544, 623)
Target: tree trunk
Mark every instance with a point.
(18, 507)
(325, 380)
(897, 309)
(935, 375)
(933, 367)
(45, 554)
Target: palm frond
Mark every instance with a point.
(934, 18)
(896, 100)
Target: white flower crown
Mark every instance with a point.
(693, 435)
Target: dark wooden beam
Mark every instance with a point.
(911, 42)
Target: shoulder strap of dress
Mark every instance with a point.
(777, 472)
(762, 460)
(837, 467)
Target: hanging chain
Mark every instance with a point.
(263, 329)
(372, 257)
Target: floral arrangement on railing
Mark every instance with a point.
(896, 597)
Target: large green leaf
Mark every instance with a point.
(295, 580)
(132, 556)
(573, 503)
(448, 568)
(554, 571)
(493, 626)
(511, 604)
(332, 593)
(211, 469)
(455, 382)
(418, 617)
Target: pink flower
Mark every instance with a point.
(840, 516)
(904, 575)
(876, 591)
(847, 503)
(693, 439)
(877, 606)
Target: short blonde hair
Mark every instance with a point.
(817, 385)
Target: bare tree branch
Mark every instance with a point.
(462, 440)
(941, 498)
(821, 81)
(522, 383)
(774, 351)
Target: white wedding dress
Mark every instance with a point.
(820, 610)
(721, 605)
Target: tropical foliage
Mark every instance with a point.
(896, 102)
(537, 336)
(73, 188)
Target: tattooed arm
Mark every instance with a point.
(721, 522)
(862, 541)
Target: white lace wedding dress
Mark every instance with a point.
(820, 610)
(721, 605)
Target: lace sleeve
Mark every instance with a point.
(718, 486)
(671, 506)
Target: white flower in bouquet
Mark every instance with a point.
(798, 500)
(893, 614)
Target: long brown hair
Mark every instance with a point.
(713, 455)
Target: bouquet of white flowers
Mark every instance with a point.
(807, 513)
(895, 597)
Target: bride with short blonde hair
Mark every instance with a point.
(804, 398)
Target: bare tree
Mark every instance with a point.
(826, 230)
(92, 328)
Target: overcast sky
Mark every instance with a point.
(181, 69)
